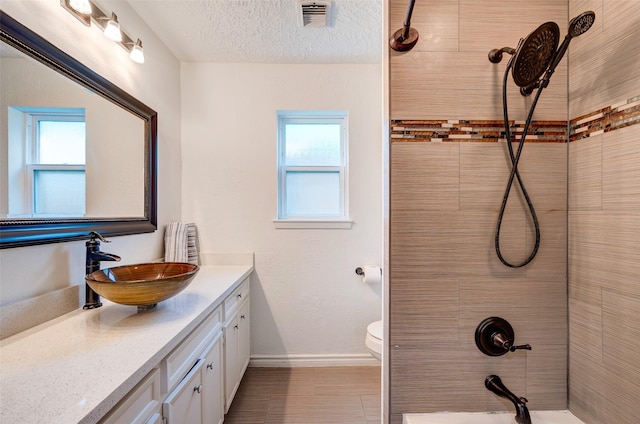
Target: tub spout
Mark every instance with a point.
(494, 384)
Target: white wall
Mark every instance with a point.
(306, 298)
(29, 271)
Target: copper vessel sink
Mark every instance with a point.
(142, 285)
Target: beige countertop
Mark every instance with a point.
(75, 368)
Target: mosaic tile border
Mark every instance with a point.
(607, 119)
(475, 131)
(603, 120)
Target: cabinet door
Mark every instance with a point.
(212, 383)
(231, 381)
(244, 338)
(184, 404)
(140, 404)
(155, 419)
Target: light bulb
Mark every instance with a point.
(81, 6)
(137, 53)
(112, 30)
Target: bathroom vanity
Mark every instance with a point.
(180, 362)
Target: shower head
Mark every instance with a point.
(535, 53)
(581, 24)
(577, 26)
(539, 52)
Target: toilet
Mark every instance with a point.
(374, 339)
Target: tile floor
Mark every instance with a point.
(326, 395)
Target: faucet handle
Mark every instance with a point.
(93, 235)
(524, 346)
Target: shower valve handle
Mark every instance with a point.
(524, 346)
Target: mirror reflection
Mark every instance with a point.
(66, 152)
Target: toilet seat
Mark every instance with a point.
(374, 339)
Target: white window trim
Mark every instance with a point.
(301, 222)
(337, 224)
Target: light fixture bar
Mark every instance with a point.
(101, 19)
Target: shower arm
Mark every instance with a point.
(406, 37)
(495, 55)
(407, 20)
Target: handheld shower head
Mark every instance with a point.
(581, 24)
(577, 26)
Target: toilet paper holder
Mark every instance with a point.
(369, 274)
(360, 271)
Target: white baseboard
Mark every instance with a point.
(292, 361)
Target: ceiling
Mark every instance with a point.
(264, 31)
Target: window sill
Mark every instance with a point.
(344, 224)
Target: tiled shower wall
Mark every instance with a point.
(604, 215)
(446, 188)
(448, 173)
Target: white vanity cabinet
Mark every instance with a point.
(213, 383)
(244, 338)
(237, 347)
(196, 382)
(199, 396)
(142, 404)
(150, 362)
(184, 404)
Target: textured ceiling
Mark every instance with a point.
(264, 31)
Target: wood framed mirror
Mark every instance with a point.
(120, 169)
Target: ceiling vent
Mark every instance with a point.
(314, 13)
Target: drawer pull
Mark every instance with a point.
(197, 388)
(240, 295)
(235, 326)
(242, 316)
(210, 366)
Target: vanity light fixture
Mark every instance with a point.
(112, 29)
(86, 12)
(81, 6)
(137, 53)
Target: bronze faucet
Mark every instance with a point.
(93, 259)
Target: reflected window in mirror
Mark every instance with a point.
(47, 166)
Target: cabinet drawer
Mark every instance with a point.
(178, 363)
(236, 298)
(140, 405)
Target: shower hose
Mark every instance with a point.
(515, 158)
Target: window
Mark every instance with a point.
(47, 151)
(313, 169)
